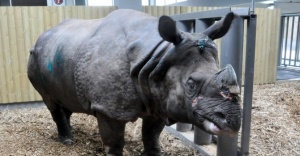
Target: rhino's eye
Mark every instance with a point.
(191, 85)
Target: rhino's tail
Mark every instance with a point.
(32, 50)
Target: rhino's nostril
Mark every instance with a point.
(220, 115)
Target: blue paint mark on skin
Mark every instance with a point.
(56, 66)
(50, 68)
(59, 58)
(58, 61)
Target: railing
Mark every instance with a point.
(289, 53)
(231, 53)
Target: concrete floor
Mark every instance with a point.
(288, 73)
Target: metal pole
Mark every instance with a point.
(291, 41)
(231, 53)
(183, 127)
(248, 86)
(297, 43)
(280, 49)
(186, 26)
(201, 137)
(253, 6)
(286, 39)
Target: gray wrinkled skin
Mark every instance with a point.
(130, 65)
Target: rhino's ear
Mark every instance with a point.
(220, 28)
(168, 31)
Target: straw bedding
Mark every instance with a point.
(275, 129)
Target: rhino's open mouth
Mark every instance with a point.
(209, 125)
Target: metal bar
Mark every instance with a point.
(201, 137)
(210, 14)
(286, 37)
(296, 31)
(186, 26)
(242, 11)
(205, 14)
(248, 86)
(201, 25)
(297, 43)
(253, 6)
(231, 53)
(232, 47)
(183, 127)
(281, 40)
(291, 41)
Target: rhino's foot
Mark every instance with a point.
(65, 140)
(152, 153)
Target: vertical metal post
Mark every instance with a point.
(186, 26)
(286, 38)
(297, 56)
(183, 127)
(248, 86)
(280, 49)
(201, 137)
(291, 41)
(231, 53)
(253, 6)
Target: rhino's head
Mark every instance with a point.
(195, 89)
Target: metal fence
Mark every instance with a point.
(289, 53)
(232, 45)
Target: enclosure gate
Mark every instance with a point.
(289, 54)
(231, 53)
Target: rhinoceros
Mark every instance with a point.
(131, 65)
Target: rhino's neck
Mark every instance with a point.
(140, 73)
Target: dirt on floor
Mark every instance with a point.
(275, 129)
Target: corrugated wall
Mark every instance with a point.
(21, 26)
(267, 44)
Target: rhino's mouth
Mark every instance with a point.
(217, 116)
(210, 125)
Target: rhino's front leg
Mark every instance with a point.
(112, 134)
(152, 127)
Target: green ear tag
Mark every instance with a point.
(202, 43)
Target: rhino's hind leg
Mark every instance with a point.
(61, 117)
(151, 130)
(112, 134)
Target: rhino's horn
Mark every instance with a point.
(227, 79)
